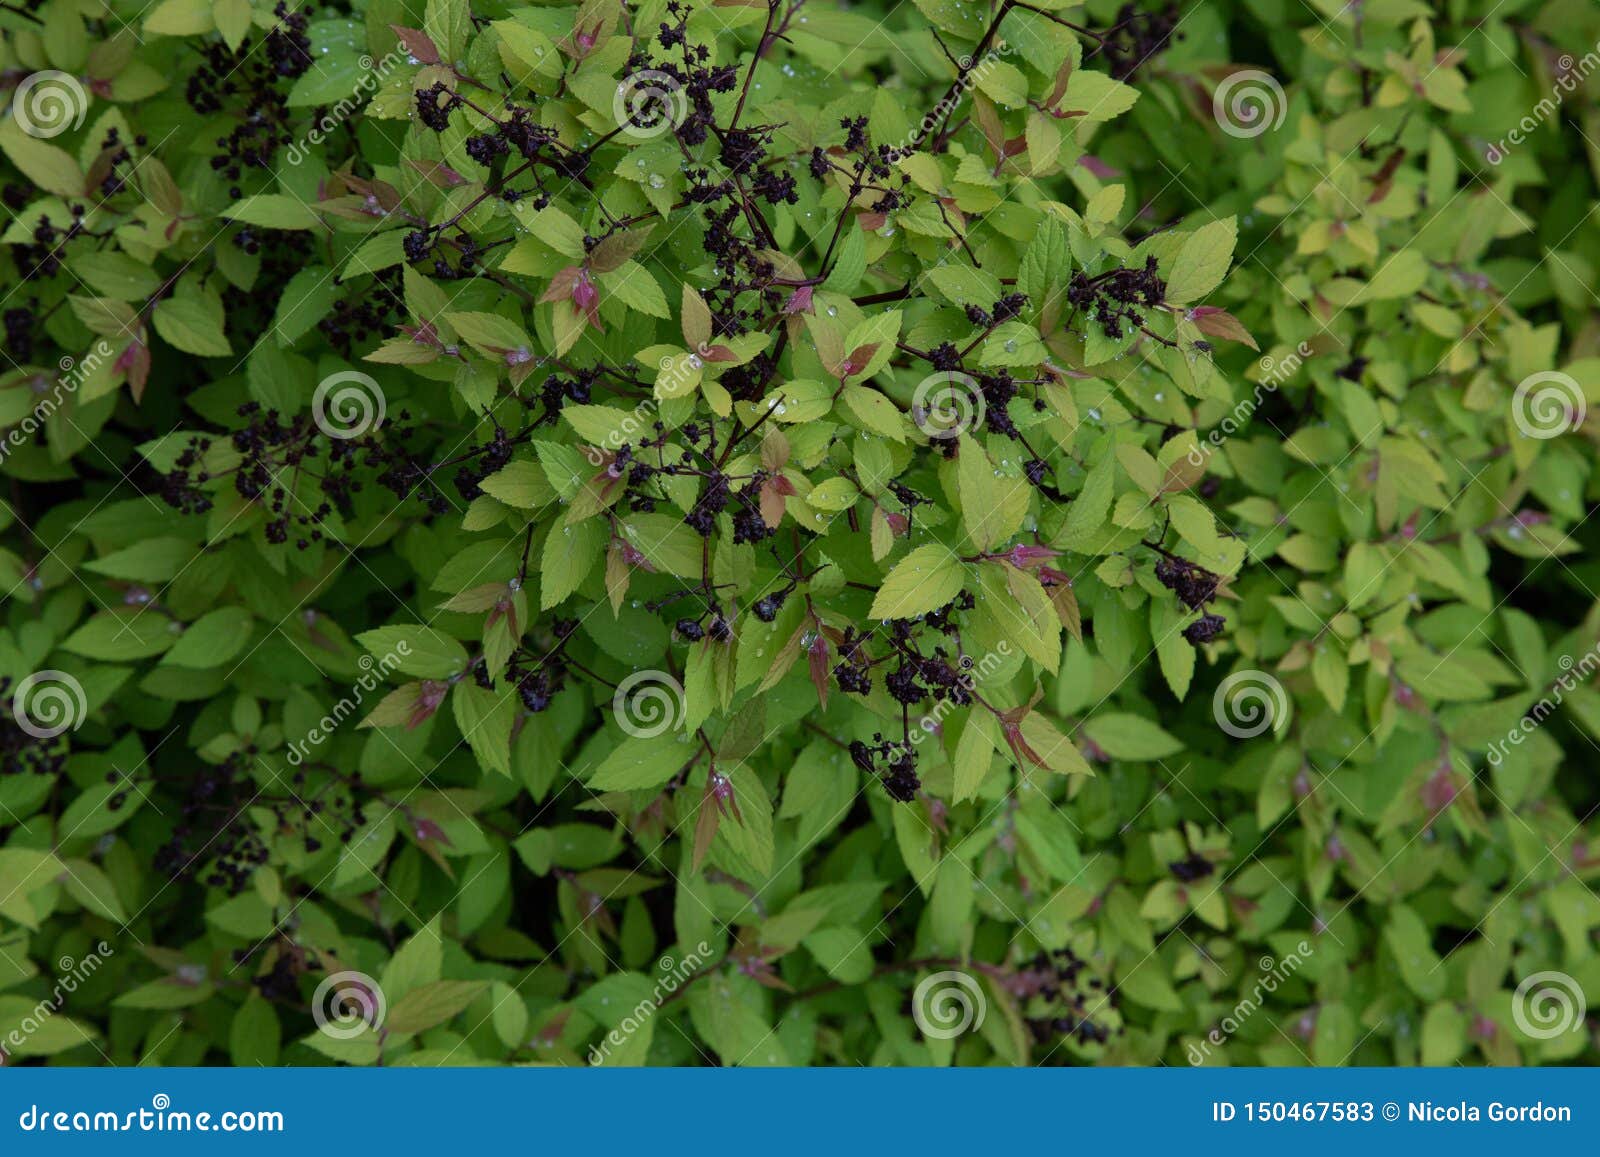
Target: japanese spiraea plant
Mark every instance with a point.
(723, 532)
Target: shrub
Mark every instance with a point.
(937, 534)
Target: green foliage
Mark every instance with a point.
(528, 544)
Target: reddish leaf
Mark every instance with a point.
(819, 667)
(418, 45)
(1214, 322)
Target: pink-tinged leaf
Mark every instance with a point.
(582, 40)
(705, 830)
(553, 1029)
(1098, 167)
(1219, 323)
(563, 286)
(438, 173)
(425, 830)
(1023, 556)
(856, 360)
(418, 45)
(586, 297)
(1059, 88)
(1019, 745)
(357, 185)
(584, 294)
(429, 696)
(772, 504)
(799, 301)
(1439, 791)
(632, 556)
(720, 789)
(818, 655)
(423, 334)
(135, 362)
